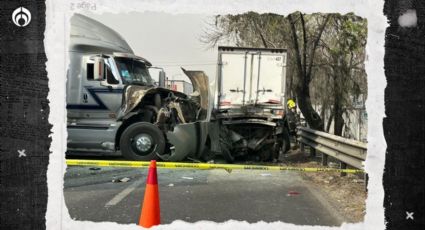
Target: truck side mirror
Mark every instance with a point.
(161, 79)
(99, 69)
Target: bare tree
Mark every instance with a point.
(342, 52)
(325, 56)
(305, 50)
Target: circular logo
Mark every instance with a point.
(21, 17)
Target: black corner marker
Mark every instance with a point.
(24, 126)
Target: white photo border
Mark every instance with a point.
(56, 39)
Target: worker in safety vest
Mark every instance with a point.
(292, 116)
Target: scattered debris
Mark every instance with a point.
(333, 189)
(333, 165)
(265, 174)
(125, 179)
(187, 178)
(170, 185)
(358, 181)
(193, 159)
(228, 170)
(94, 168)
(293, 193)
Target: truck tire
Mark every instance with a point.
(142, 141)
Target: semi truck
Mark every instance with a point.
(250, 105)
(114, 106)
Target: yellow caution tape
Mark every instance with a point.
(181, 165)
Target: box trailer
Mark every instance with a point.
(250, 103)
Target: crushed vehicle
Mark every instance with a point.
(249, 110)
(114, 106)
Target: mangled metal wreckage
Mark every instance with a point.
(172, 126)
(165, 124)
(114, 107)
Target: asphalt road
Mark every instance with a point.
(190, 195)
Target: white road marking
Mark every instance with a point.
(124, 193)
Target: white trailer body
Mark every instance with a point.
(250, 103)
(251, 76)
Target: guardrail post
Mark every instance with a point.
(343, 165)
(302, 147)
(312, 152)
(366, 181)
(324, 159)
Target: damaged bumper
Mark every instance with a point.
(186, 140)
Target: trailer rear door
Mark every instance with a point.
(233, 71)
(269, 83)
(251, 76)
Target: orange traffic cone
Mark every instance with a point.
(150, 215)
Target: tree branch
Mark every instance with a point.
(263, 40)
(304, 48)
(316, 42)
(296, 45)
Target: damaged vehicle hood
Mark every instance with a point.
(133, 94)
(200, 85)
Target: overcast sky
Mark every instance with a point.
(166, 40)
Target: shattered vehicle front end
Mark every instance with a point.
(182, 119)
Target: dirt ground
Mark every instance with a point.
(347, 194)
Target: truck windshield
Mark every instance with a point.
(133, 71)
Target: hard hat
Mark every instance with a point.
(291, 103)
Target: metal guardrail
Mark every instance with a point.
(347, 151)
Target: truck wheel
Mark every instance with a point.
(142, 141)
